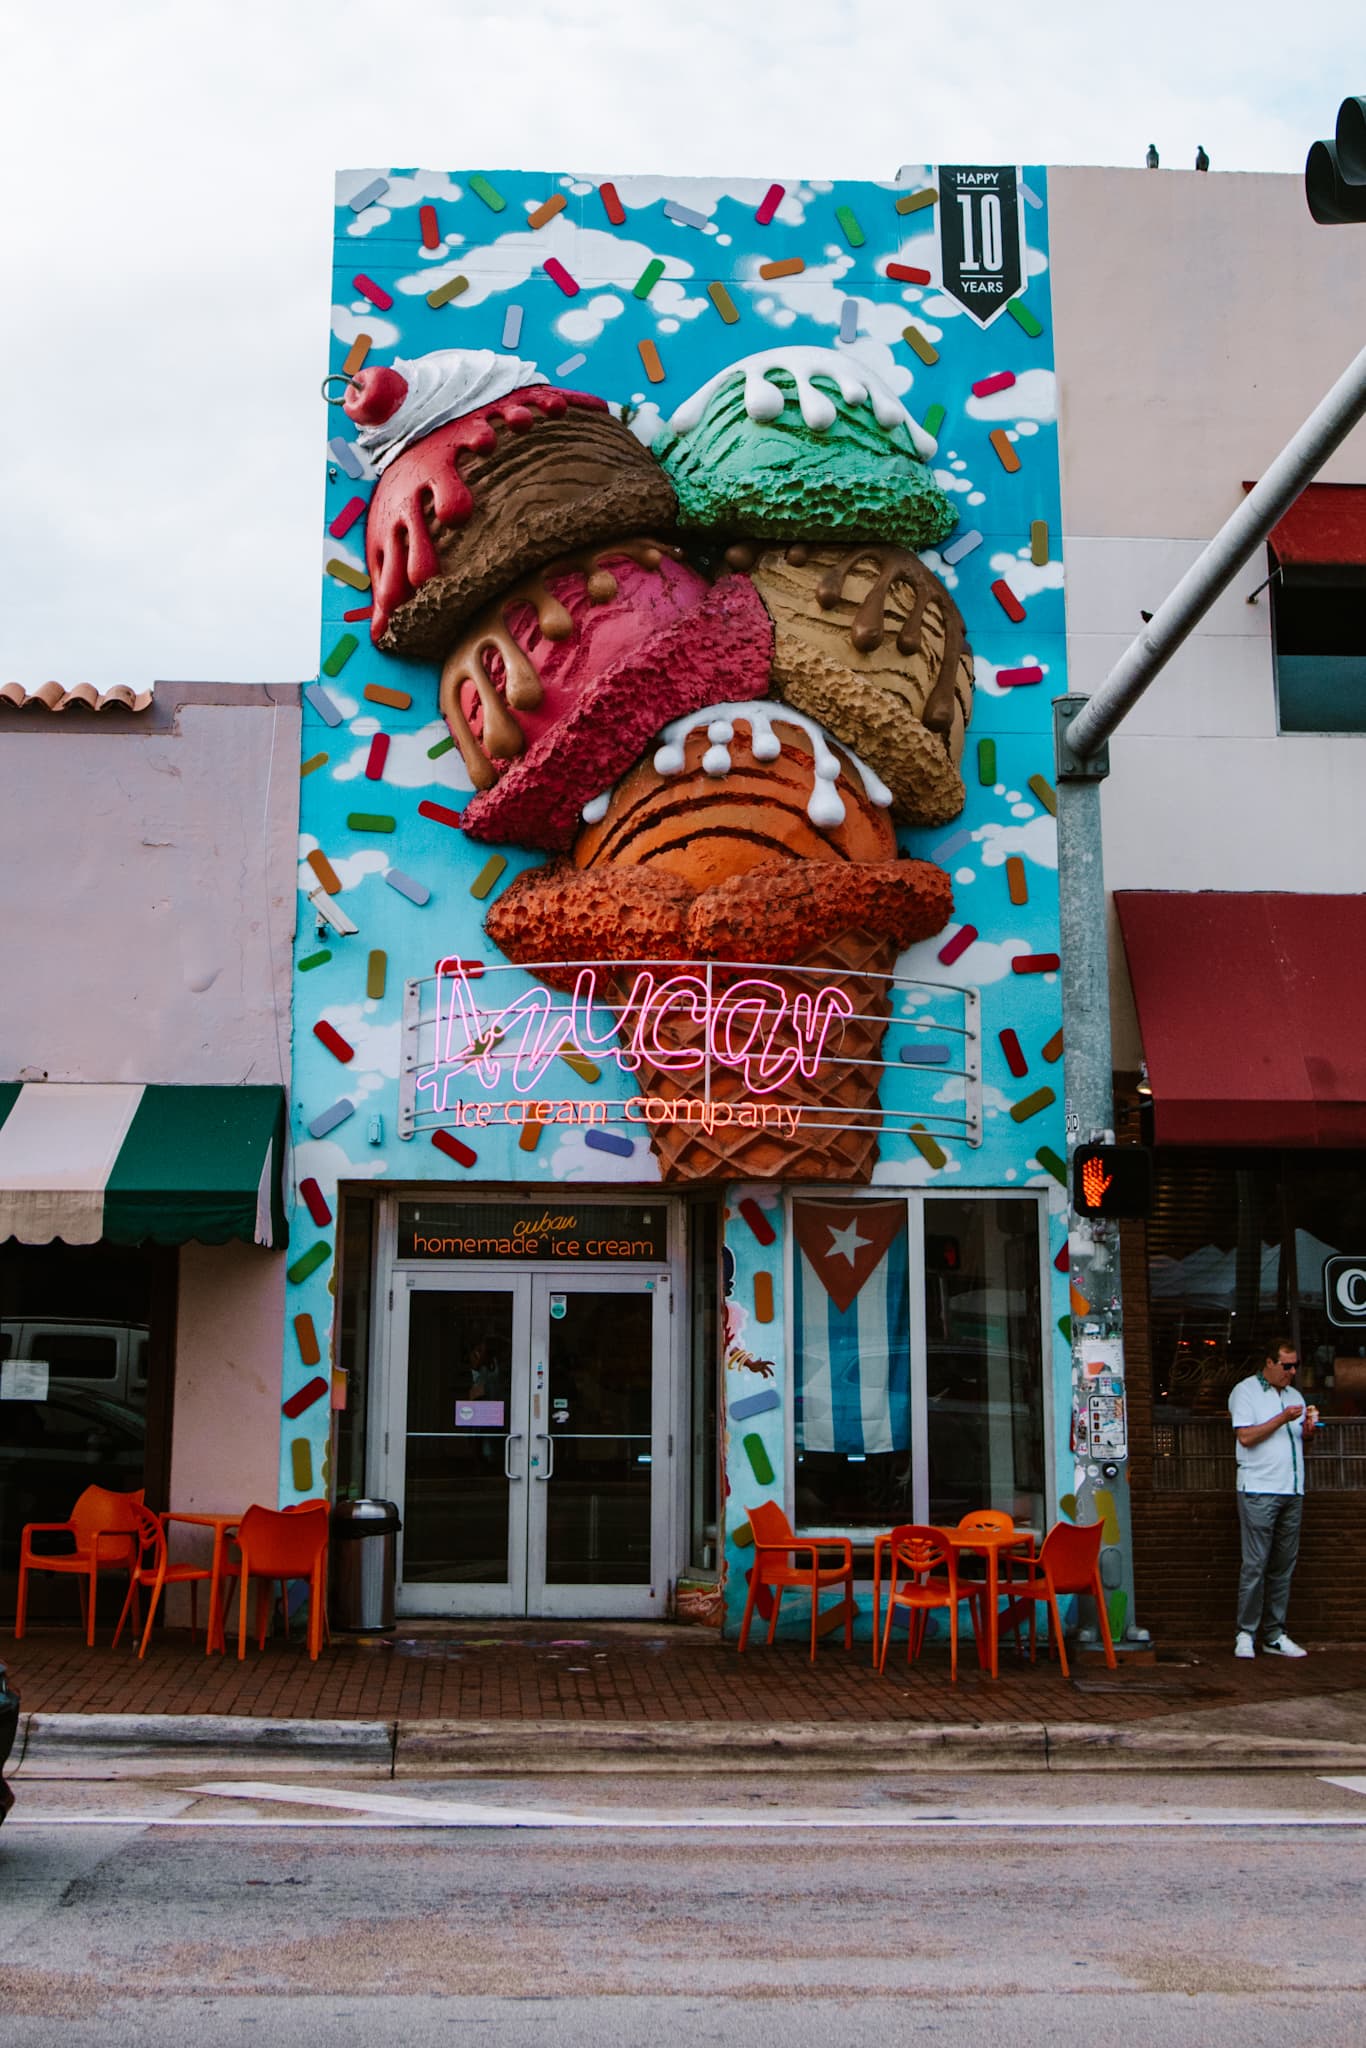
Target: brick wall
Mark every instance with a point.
(1186, 1544)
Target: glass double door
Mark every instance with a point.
(535, 1440)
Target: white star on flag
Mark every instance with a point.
(846, 1243)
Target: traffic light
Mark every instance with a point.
(1335, 172)
(1112, 1180)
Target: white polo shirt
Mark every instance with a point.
(1276, 1465)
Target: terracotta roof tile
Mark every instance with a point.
(56, 697)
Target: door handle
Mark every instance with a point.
(508, 1442)
(549, 1442)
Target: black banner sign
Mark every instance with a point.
(614, 1233)
(979, 237)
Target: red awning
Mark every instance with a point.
(1253, 1015)
(1326, 525)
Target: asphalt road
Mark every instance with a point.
(1018, 1910)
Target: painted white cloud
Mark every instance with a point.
(376, 1044)
(1027, 578)
(574, 1159)
(327, 1162)
(940, 307)
(704, 195)
(817, 293)
(346, 325)
(670, 299)
(406, 765)
(1033, 396)
(985, 672)
(910, 1171)
(349, 868)
(585, 323)
(985, 960)
(1036, 841)
(338, 551)
(592, 256)
(403, 191)
(950, 480)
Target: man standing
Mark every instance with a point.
(1269, 1427)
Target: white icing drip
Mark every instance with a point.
(764, 400)
(595, 810)
(442, 387)
(825, 806)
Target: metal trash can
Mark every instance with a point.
(362, 1564)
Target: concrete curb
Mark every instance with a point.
(439, 1749)
(113, 1746)
(231, 1745)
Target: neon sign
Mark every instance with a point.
(750, 1025)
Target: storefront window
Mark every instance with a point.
(77, 1405)
(851, 1325)
(1237, 1250)
(984, 1364)
(859, 1419)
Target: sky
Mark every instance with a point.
(166, 229)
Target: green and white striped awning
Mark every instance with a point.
(131, 1164)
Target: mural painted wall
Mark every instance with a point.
(692, 607)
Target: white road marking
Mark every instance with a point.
(397, 1810)
(1346, 1784)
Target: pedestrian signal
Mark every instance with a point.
(1112, 1180)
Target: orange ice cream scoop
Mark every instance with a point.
(735, 786)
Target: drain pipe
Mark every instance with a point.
(1081, 727)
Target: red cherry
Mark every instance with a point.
(374, 397)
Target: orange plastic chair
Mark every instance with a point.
(1068, 1562)
(104, 1532)
(774, 1543)
(154, 1569)
(924, 1577)
(281, 1544)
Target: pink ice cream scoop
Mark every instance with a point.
(554, 690)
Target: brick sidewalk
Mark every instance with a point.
(620, 1673)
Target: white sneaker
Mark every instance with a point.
(1283, 1647)
(1244, 1645)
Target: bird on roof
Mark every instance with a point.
(1201, 160)
(1152, 156)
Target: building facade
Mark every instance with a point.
(1233, 840)
(676, 1105)
(144, 1049)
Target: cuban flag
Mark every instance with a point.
(852, 1331)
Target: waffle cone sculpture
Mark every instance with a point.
(763, 861)
(813, 1140)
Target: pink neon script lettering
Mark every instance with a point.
(755, 1027)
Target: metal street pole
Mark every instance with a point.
(1081, 727)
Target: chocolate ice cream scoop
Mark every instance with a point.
(467, 509)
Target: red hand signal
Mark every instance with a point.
(1094, 1182)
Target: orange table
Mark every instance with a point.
(991, 1543)
(222, 1526)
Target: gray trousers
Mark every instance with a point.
(1270, 1525)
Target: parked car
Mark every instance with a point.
(9, 1724)
(102, 1357)
(50, 1451)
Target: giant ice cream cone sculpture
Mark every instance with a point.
(602, 689)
